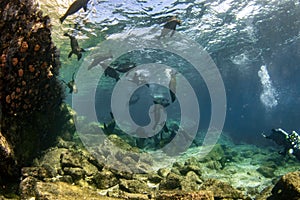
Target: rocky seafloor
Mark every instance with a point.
(229, 171)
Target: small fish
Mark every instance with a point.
(99, 58)
(75, 6)
(170, 26)
(75, 47)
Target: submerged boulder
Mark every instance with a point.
(222, 190)
(31, 95)
(32, 189)
(288, 187)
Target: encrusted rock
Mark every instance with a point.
(171, 182)
(105, 179)
(57, 190)
(154, 177)
(75, 172)
(37, 172)
(28, 188)
(134, 186)
(71, 159)
(288, 187)
(221, 190)
(191, 167)
(163, 172)
(180, 195)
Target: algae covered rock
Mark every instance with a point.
(31, 189)
(288, 187)
(222, 190)
(105, 179)
(179, 195)
(134, 186)
(31, 95)
(171, 182)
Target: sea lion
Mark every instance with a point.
(123, 65)
(71, 85)
(75, 6)
(170, 26)
(75, 47)
(111, 72)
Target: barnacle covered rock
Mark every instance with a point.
(32, 115)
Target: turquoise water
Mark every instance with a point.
(240, 36)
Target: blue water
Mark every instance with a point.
(240, 36)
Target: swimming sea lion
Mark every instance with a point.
(77, 5)
(170, 26)
(111, 72)
(75, 47)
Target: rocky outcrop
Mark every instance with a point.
(32, 113)
(222, 190)
(32, 189)
(288, 187)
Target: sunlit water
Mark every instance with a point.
(241, 37)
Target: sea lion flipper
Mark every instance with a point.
(111, 115)
(66, 34)
(172, 33)
(70, 54)
(85, 8)
(62, 19)
(173, 96)
(79, 55)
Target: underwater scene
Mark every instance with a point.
(140, 99)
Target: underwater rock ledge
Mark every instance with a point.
(32, 114)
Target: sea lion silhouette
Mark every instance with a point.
(75, 47)
(170, 26)
(74, 7)
(111, 72)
